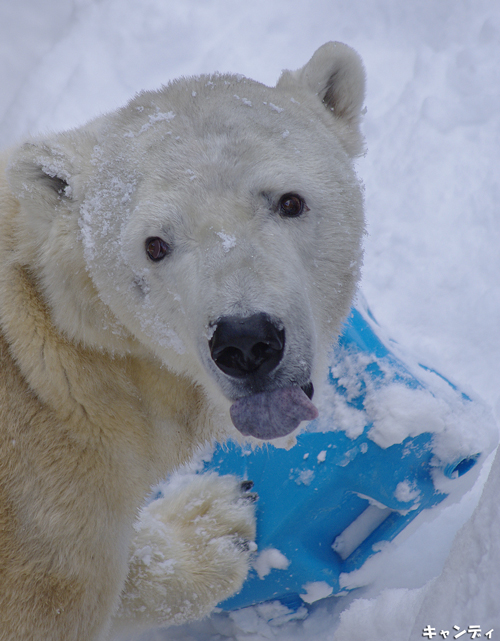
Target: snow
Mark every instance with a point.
(228, 241)
(431, 261)
(315, 591)
(321, 456)
(157, 117)
(269, 559)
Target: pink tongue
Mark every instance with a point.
(272, 414)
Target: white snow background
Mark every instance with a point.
(432, 262)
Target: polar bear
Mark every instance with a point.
(170, 274)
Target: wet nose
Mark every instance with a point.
(241, 346)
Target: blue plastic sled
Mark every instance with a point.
(334, 499)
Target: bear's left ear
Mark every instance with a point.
(336, 75)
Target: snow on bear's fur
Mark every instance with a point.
(170, 273)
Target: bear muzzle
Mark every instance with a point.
(251, 348)
(247, 346)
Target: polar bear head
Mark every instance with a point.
(214, 225)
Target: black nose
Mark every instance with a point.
(244, 346)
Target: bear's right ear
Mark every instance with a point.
(45, 171)
(335, 74)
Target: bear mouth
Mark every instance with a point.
(268, 415)
(249, 351)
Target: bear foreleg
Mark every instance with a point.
(190, 550)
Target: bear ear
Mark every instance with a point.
(336, 75)
(43, 171)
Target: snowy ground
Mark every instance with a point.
(432, 263)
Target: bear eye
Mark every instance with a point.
(156, 248)
(292, 205)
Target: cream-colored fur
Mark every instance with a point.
(106, 384)
(80, 451)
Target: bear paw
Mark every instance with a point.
(191, 549)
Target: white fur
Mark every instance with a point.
(110, 343)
